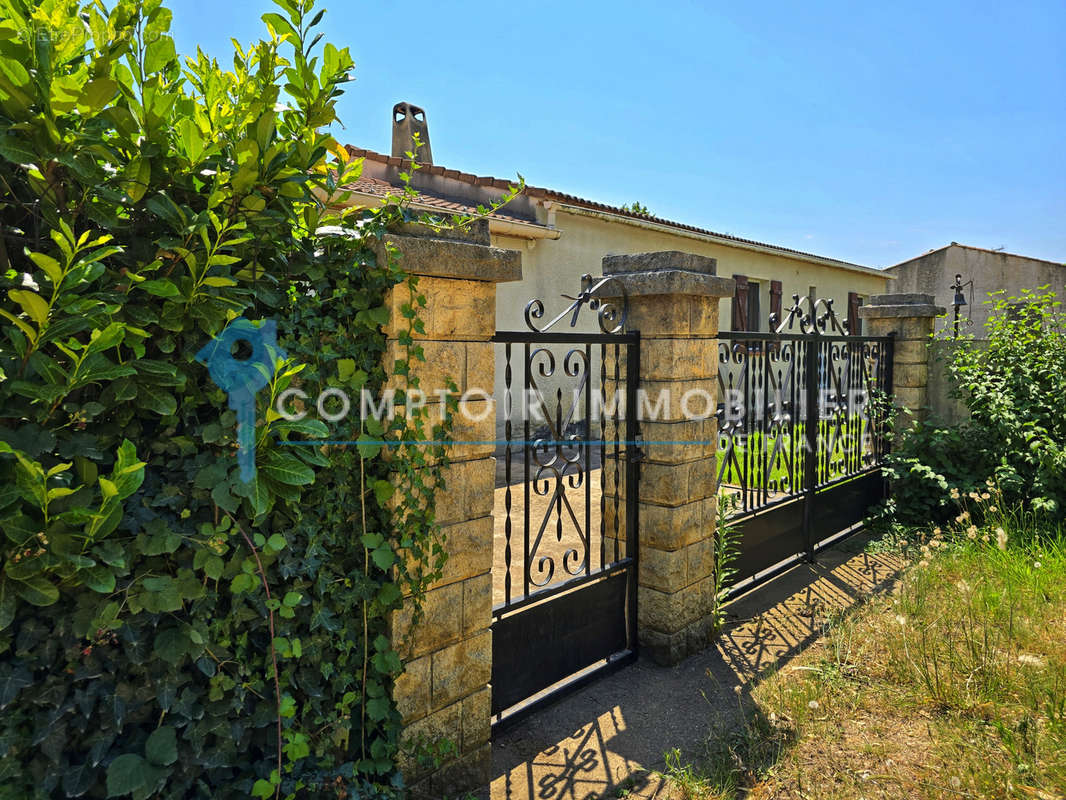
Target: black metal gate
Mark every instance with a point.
(567, 591)
(802, 415)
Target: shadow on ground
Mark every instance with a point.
(610, 737)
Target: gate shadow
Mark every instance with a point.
(611, 736)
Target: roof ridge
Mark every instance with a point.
(552, 194)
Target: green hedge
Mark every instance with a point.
(1014, 386)
(167, 629)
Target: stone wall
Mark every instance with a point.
(909, 319)
(444, 691)
(673, 302)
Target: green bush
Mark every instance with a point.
(1014, 386)
(166, 628)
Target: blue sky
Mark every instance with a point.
(869, 132)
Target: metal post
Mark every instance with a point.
(811, 470)
(633, 456)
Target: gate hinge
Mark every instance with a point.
(635, 451)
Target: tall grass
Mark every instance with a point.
(953, 685)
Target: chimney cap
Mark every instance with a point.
(408, 120)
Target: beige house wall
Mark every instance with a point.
(554, 266)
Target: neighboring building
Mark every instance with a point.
(990, 270)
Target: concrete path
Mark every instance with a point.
(611, 735)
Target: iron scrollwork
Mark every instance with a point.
(798, 412)
(611, 317)
(810, 321)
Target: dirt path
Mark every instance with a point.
(612, 734)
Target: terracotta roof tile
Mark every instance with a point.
(376, 187)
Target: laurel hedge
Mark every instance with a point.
(166, 628)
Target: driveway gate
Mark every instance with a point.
(567, 604)
(801, 433)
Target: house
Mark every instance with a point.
(981, 272)
(561, 237)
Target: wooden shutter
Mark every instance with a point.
(854, 323)
(740, 303)
(775, 301)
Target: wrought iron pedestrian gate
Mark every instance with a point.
(802, 414)
(567, 590)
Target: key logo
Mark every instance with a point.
(241, 377)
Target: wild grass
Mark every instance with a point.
(954, 685)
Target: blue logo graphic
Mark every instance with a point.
(242, 378)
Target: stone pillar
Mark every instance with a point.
(444, 691)
(908, 317)
(673, 303)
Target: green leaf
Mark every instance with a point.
(33, 304)
(29, 332)
(100, 579)
(108, 337)
(137, 173)
(279, 25)
(378, 708)
(162, 746)
(219, 281)
(222, 497)
(191, 138)
(160, 287)
(383, 490)
(276, 542)
(158, 54)
(345, 368)
(7, 603)
(130, 773)
(13, 681)
(288, 470)
(15, 149)
(97, 93)
(48, 265)
(171, 645)
(242, 582)
(19, 528)
(314, 428)
(111, 553)
(367, 446)
(263, 789)
(383, 556)
(37, 591)
(156, 399)
(260, 497)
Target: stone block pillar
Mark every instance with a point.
(444, 691)
(909, 318)
(673, 302)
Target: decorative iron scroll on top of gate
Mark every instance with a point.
(611, 318)
(810, 321)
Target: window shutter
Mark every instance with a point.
(854, 323)
(775, 301)
(740, 303)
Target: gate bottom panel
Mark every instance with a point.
(540, 645)
(774, 535)
(769, 537)
(846, 504)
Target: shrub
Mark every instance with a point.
(1014, 386)
(167, 628)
